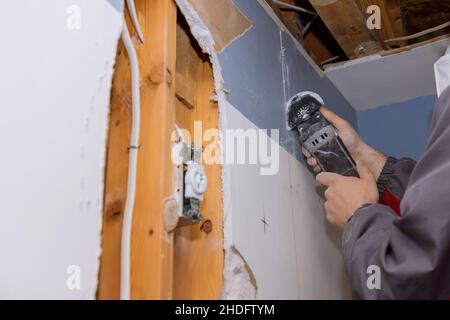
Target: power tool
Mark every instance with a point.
(318, 135)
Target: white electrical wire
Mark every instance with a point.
(292, 7)
(419, 34)
(134, 20)
(125, 255)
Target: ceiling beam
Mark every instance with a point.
(346, 20)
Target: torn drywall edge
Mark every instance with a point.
(206, 42)
(107, 79)
(282, 27)
(348, 63)
(241, 283)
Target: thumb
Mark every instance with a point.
(363, 171)
(327, 178)
(339, 123)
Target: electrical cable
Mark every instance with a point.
(292, 7)
(419, 34)
(132, 166)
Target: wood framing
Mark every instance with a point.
(391, 22)
(198, 252)
(175, 88)
(151, 245)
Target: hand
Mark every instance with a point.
(345, 195)
(359, 150)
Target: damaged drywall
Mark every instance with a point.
(223, 19)
(241, 283)
(275, 222)
(56, 78)
(234, 262)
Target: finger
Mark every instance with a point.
(305, 152)
(363, 171)
(317, 169)
(327, 178)
(328, 212)
(330, 218)
(334, 119)
(326, 206)
(327, 193)
(312, 162)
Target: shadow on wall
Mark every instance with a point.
(399, 130)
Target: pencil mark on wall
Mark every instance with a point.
(265, 224)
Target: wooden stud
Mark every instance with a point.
(115, 177)
(198, 252)
(151, 245)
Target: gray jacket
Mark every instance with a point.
(411, 252)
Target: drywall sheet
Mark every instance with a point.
(383, 80)
(399, 130)
(223, 19)
(56, 73)
(278, 222)
(279, 227)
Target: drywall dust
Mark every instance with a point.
(239, 281)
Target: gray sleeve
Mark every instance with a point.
(395, 176)
(411, 253)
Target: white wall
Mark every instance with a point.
(296, 255)
(55, 85)
(376, 80)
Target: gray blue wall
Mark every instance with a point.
(400, 129)
(253, 67)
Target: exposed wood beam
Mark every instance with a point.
(151, 245)
(346, 20)
(198, 249)
(314, 45)
(391, 23)
(420, 15)
(115, 177)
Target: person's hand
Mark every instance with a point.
(345, 195)
(359, 150)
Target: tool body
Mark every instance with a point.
(318, 135)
